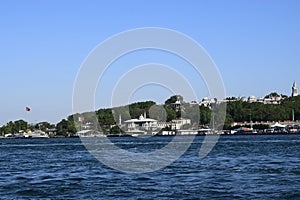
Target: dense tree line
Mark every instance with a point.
(108, 118)
(23, 126)
(240, 111)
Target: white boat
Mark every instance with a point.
(89, 133)
(36, 134)
(8, 135)
(136, 133)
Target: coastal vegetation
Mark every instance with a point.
(22, 126)
(239, 111)
(236, 111)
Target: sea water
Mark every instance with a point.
(238, 167)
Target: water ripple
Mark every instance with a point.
(239, 167)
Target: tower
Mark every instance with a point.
(294, 90)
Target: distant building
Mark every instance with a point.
(273, 100)
(294, 90)
(252, 99)
(142, 123)
(180, 122)
(175, 124)
(176, 105)
(244, 99)
(208, 102)
(270, 99)
(162, 125)
(205, 102)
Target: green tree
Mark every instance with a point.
(273, 94)
(115, 130)
(9, 127)
(171, 114)
(136, 109)
(66, 127)
(173, 99)
(205, 115)
(105, 119)
(20, 125)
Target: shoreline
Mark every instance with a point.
(141, 136)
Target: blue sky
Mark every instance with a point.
(255, 45)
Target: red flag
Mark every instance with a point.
(27, 109)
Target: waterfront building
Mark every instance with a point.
(294, 90)
(175, 124)
(180, 122)
(171, 125)
(142, 123)
(87, 126)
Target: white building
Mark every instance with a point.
(180, 122)
(175, 124)
(142, 123)
(252, 99)
(208, 102)
(205, 102)
(244, 99)
(176, 105)
(162, 125)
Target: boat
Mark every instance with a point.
(35, 134)
(9, 135)
(89, 133)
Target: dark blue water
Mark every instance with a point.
(239, 167)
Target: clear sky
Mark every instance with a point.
(255, 45)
